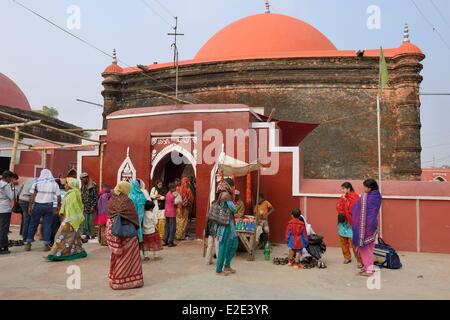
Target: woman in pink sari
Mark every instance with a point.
(365, 224)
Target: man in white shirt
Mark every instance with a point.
(6, 198)
(42, 193)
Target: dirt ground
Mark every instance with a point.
(183, 274)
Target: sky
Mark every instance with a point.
(55, 69)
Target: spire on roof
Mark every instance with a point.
(114, 61)
(406, 33)
(267, 6)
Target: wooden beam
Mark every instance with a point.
(12, 140)
(49, 127)
(102, 153)
(38, 138)
(67, 146)
(163, 95)
(19, 125)
(84, 130)
(12, 162)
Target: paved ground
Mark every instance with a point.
(182, 274)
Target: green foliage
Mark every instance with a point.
(49, 111)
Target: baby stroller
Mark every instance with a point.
(316, 248)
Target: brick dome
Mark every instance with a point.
(263, 36)
(11, 95)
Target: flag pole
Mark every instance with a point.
(379, 138)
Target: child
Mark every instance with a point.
(296, 238)
(152, 240)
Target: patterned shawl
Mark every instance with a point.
(123, 206)
(45, 176)
(365, 219)
(137, 196)
(72, 207)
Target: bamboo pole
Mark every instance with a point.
(18, 125)
(44, 158)
(12, 140)
(67, 146)
(50, 127)
(12, 162)
(102, 153)
(84, 130)
(37, 137)
(159, 94)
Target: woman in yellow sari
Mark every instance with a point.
(68, 245)
(184, 208)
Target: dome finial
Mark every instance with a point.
(406, 33)
(114, 56)
(267, 6)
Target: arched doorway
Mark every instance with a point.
(176, 162)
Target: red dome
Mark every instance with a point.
(264, 35)
(11, 95)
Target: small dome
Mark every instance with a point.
(113, 68)
(11, 95)
(263, 35)
(409, 48)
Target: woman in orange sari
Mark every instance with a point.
(184, 208)
(126, 266)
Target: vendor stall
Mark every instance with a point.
(227, 166)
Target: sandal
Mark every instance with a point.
(229, 270)
(365, 274)
(223, 274)
(347, 261)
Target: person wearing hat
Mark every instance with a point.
(89, 195)
(239, 204)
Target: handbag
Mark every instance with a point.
(123, 228)
(16, 208)
(219, 215)
(385, 256)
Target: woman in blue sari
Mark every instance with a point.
(225, 234)
(365, 224)
(138, 198)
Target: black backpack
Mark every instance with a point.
(385, 256)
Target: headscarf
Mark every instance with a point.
(45, 176)
(120, 204)
(144, 191)
(185, 190)
(123, 187)
(365, 218)
(137, 196)
(72, 207)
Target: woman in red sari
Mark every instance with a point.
(184, 208)
(126, 266)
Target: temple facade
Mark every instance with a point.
(276, 61)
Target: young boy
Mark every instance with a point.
(152, 240)
(296, 237)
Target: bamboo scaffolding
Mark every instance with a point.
(12, 140)
(19, 125)
(38, 138)
(67, 146)
(12, 162)
(50, 127)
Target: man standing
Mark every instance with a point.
(6, 197)
(239, 204)
(24, 200)
(89, 195)
(263, 210)
(42, 192)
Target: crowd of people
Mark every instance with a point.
(65, 215)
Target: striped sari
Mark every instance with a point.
(126, 266)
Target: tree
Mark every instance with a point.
(49, 111)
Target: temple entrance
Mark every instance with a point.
(168, 170)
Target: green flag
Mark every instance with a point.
(384, 74)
